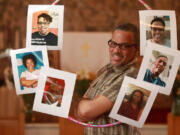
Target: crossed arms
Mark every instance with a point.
(28, 83)
(89, 109)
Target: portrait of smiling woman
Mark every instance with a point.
(157, 27)
(29, 78)
(159, 32)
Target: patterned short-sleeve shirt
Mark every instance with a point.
(108, 83)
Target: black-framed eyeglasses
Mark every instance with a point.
(122, 46)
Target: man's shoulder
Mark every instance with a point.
(148, 71)
(132, 71)
(104, 68)
(148, 75)
(161, 82)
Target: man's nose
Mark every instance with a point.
(117, 49)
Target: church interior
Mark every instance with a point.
(85, 23)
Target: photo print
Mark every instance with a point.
(134, 102)
(53, 91)
(45, 26)
(159, 67)
(54, 94)
(26, 65)
(158, 27)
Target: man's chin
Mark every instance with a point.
(114, 63)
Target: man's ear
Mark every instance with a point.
(137, 50)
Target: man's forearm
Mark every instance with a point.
(78, 113)
(89, 110)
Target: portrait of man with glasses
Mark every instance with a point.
(43, 36)
(100, 97)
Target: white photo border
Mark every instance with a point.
(173, 28)
(153, 93)
(63, 110)
(175, 65)
(15, 64)
(36, 8)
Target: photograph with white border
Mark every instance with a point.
(159, 67)
(134, 102)
(26, 67)
(55, 91)
(45, 26)
(158, 27)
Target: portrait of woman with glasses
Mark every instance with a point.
(43, 36)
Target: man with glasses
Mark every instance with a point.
(99, 99)
(158, 32)
(43, 36)
(158, 67)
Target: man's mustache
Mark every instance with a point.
(118, 54)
